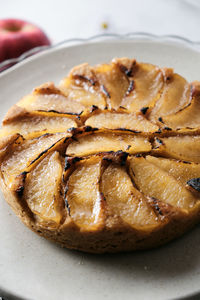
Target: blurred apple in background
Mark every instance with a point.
(18, 36)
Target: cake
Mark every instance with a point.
(108, 160)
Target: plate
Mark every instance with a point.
(34, 268)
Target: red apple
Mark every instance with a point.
(17, 36)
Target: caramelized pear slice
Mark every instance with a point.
(175, 96)
(108, 141)
(83, 197)
(23, 153)
(147, 86)
(43, 201)
(112, 120)
(154, 182)
(85, 98)
(179, 147)
(188, 116)
(180, 170)
(82, 86)
(124, 200)
(24, 122)
(114, 83)
(51, 102)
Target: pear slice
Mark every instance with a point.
(51, 102)
(114, 83)
(85, 98)
(147, 85)
(188, 116)
(108, 141)
(179, 147)
(82, 86)
(154, 182)
(83, 197)
(24, 122)
(175, 96)
(23, 153)
(112, 120)
(124, 200)
(180, 170)
(43, 201)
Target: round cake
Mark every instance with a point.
(109, 160)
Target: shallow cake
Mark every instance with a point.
(108, 161)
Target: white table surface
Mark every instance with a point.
(63, 19)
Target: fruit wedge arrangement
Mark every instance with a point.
(109, 160)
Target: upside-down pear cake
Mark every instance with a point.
(107, 161)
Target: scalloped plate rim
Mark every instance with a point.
(131, 36)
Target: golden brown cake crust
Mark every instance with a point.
(108, 160)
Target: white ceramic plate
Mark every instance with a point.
(34, 268)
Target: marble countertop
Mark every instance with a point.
(64, 19)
